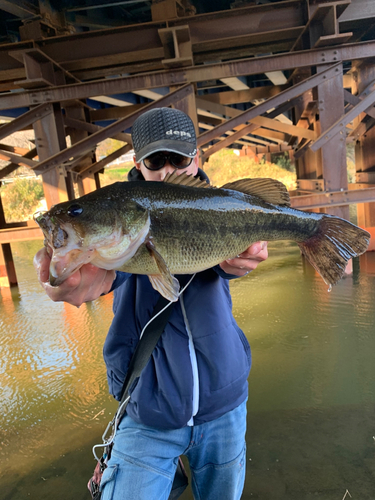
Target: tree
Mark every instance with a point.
(20, 198)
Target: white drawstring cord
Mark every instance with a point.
(118, 412)
(165, 307)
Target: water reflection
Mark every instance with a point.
(311, 399)
(52, 385)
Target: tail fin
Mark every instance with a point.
(335, 242)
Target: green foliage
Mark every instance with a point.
(350, 151)
(283, 161)
(108, 146)
(20, 198)
(114, 174)
(350, 161)
(225, 166)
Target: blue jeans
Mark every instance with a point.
(144, 459)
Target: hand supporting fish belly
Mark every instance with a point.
(183, 226)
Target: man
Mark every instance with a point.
(191, 396)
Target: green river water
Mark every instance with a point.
(311, 407)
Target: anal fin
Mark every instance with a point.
(165, 283)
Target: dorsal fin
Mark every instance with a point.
(185, 180)
(269, 190)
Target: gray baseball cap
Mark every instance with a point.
(163, 129)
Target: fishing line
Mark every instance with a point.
(115, 421)
(165, 307)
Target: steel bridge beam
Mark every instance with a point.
(116, 127)
(20, 234)
(333, 198)
(272, 102)
(192, 74)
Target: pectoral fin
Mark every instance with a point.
(166, 284)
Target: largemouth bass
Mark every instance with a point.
(177, 227)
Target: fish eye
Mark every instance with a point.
(74, 210)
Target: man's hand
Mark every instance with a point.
(86, 284)
(247, 261)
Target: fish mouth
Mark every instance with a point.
(45, 223)
(54, 232)
(65, 244)
(65, 264)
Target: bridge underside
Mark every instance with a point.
(292, 77)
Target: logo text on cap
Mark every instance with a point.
(178, 132)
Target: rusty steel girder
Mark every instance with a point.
(116, 127)
(192, 74)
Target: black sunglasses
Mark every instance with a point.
(156, 161)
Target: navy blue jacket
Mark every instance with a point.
(163, 396)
